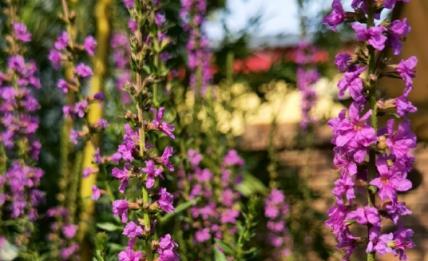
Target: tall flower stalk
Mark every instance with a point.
(373, 139)
(19, 146)
(140, 164)
(78, 128)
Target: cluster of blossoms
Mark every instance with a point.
(66, 55)
(138, 165)
(306, 77)
(121, 54)
(192, 14)
(276, 211)
(19, 147)
(372, 161)
(214, 218)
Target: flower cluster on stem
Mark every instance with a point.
(67, 56)
(216, 213)
(193, 14)
(306, 77)
(373, 159)
(19, 146)
(139, 165)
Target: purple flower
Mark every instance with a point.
(132, 230)
(390, 181)
(229, 216)
(128, 254)
(166, 155)
(83, 70)
(373, 35)
(404, 106)
(202, 235)
(21, 33)
(352, 82)
(194, 157)
(232, 158)
(337, 15)
(152, 172)
(80, 108)
(365, 215)
(89, 45)
(69, 251)
(160, 124)
(96, 193)
(399, 29)
(407, 69)
(167, 249)
(123, 176)
(128, 3)
(395, 243)
(62, 41)
(132, 25)
(69, 231)
(342, 61)
(63, 85)
(88, 171)
(165, 200)
(55, 58)
(120, 209)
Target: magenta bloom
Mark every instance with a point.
(406, 69)
(232, 158)
(120, 209)
(365, 215)
(342, 61)
(63, 85)
(160, 124)
(128, 3)
(123, 176)
(337, 15)
(167, 249)
(390, 180)
(90, 44)
(165, 158)
(132, 230)
(373, 35)
(21, 33)
(128, 254)
(82, 70)
(152, 172)
(62, 41)
(96, 193)
(352, 82)
(165, 200)
(69, 231)
(202, 235)
(55, 58)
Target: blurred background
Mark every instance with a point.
(256, 47)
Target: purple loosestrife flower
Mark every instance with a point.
(130, 255)
(21, 33)
(159, 124)
(385, 169)
(152, 172)
(167, 249)
(374, 35)
(407, 69)
(342, 61)
(337, 15)
(62, 41)
(83, 70)
(399, 30)
(275, 211)
(165, 158)
(352, 82)
(165, 200)
(132, 230)
(120, 209)
(90, 44)
(96, 192)
(69, 231)
(128, 3)
(123, 176)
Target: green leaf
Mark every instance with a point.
(251, 185)
(110, 227)
(180, 208)
(218, 255)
